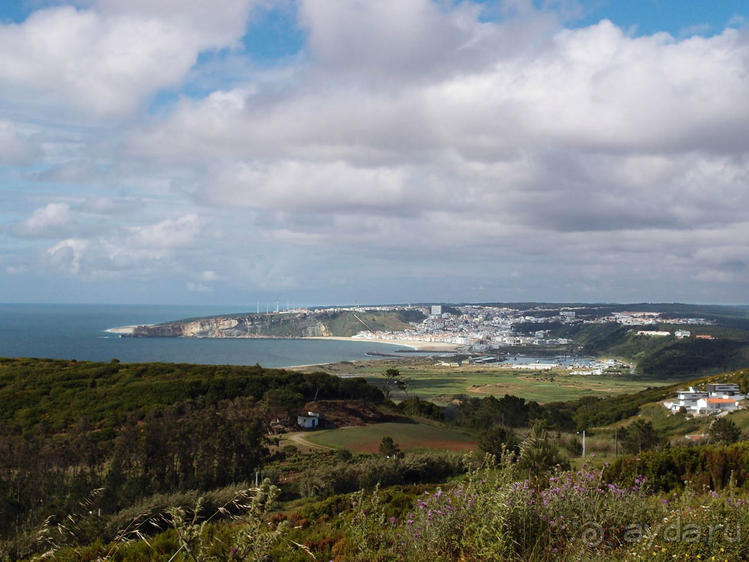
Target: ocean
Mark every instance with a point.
(64, 331)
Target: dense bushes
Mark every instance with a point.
(576, 517)
(416, 407)
(366, 472)
(509, 411)
(710, 466)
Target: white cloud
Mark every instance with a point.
(46, 222)
(535, 147)
(106, 59)
(164, 235)
(67, 255)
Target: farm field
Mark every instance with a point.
(409, 436)
(430, 381)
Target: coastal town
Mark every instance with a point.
(482, 327)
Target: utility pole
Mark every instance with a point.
(583, 442)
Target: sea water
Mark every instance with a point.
(63, 331)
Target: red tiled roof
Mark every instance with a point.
(720, 400)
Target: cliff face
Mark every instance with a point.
(303, 324)
(248, 326)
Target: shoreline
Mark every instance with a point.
(414, 345)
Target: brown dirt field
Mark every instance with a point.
(447, 445)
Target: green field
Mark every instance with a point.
(410, 436)
(437, 383)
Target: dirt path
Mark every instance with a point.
(298, 438)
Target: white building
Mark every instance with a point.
(308, 421)
(686, 399)
(682, 333)
(719, 397)
(535, 366)
(716, 405)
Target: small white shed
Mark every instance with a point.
(308, 420)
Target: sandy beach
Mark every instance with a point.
(416, 345)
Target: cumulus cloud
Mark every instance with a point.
(46, 222)
(140, 251)
(67, 254)
(107, 57)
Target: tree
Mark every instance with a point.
(641, 436)
(389, 448)
(724, 430)
(392, 374)
(538, 455)
(496, 439)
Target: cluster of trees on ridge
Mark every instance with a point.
(133, 430)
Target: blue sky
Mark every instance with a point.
(645, 17)
(325, 151)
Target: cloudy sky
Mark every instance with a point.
(340, 151)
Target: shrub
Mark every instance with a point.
(709, 466)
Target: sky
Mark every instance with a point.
(362, 151)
